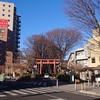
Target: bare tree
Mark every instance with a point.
(64, 40)
(75, 67)
(84, 13)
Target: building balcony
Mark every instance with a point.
(81, 57)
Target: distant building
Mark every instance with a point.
(78, 57)
(9, 34)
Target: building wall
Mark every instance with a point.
(78, 57)
(8, 11)
(94, 59)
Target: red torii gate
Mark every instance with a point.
(42, 61)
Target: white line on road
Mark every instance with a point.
(2, 95)
(17, 91)
(10, 93)
(28, 91)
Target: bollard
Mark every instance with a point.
(88, 82)
(75, 86)
(93, 85)
(81, 86)
(97, 83)
(84, 86)
(57, 82)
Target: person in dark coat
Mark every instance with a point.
(92, 78)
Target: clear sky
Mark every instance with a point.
(40, 16)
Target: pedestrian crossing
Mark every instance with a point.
(29, 91)
(31, 83)
(3, 86)
(37, 84)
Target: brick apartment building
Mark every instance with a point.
(9, 35)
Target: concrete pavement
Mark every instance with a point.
(79, 88)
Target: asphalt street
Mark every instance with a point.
(43, 89)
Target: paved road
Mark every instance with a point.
(19, 85)
(43, 89)
(43, 93)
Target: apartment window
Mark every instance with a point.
(8, 25)
(0, 60)
(1, 36)
(7, 54)
(0, 54)
(93, 60)
(8, 37)
(9, 5)
(3, 4)
(3, 14)
(0, 42)
(2, 30)
(0, 48)
(8, 10)
(7, 60)
(3, 9)
(8, 20)
(8, 15)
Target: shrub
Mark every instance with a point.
(25, 77)
(77, 76)
(63, 77)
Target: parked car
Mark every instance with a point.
(46, 75)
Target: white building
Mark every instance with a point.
(79, 57)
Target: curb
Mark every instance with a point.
(87, 92)
(79, 91)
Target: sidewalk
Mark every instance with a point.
(71, 87)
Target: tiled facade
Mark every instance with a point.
(10, 37)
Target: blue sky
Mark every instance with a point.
(40, 16)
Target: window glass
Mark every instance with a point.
(3, 9)
(0, 42)
(93, 60)
(7, 60)
(3, 14)
(7, 54)
(3, 4)
(1, 36)
(2, 30)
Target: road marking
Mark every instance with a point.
(38, 91)
(10, 93)
(3, 86)
(19, 92)
(44, 84)
(35, 83)
(28, 91)
(40, 83)
(30, 82)
(2, 95)
(26, 82)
